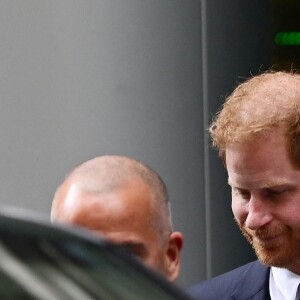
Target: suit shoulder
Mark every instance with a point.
(222, 286)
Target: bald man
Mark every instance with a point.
(126, 202)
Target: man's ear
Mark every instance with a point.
(174, 246)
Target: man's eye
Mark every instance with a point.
(243, 193)
(133, 250)
(276, 192)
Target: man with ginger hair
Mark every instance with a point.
(127, 203)
(257, 133)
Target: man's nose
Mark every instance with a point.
(258, 213)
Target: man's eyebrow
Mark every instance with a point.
(278, 184)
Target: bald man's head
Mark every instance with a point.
(126, 202)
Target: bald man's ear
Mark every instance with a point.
(175, 244)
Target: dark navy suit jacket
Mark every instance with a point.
(249, 282)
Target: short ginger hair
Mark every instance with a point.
(269, 100)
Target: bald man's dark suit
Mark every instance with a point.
(249, 282)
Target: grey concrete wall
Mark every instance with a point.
(81, 78)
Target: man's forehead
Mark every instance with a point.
(67, 201)
(126, 202)
(71, 197)
(78, 199)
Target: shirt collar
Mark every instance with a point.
(283, 284)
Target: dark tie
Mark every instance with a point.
(298, 293)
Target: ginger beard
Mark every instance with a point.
(278, 246)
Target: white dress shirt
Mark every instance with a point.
(283, 284)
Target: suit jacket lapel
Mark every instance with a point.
(254, 284)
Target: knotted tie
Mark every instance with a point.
(298, 293)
